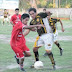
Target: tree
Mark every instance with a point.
(24, 4)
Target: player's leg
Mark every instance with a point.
(59, 46)
(37, 45)
(21, 60)
(50, 55)
(26, 51)
(7, 19)
(17, 59)
(20, 56)
(56, 42)
(36, 54)
(3, 20)
(48, 46)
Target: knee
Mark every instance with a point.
(48, 51)
(29, 54)
(35, 49)
(56, 42)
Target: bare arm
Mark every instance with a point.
(27, 32)
(32, 26)
(33, 29)
(11, 23)
(62, 26)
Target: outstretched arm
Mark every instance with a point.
(62, 26)
(11, 20)
(11, 23)
(32, 26)
(33, 29)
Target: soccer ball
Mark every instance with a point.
(38, 65)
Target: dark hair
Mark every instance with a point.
(4, 9)
(25, 15)
(44, 9)
(32, 9)
(17, 9)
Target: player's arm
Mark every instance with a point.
(32, 29)
(61, 25)
(27, 32)
(32, 26)
(11, 21)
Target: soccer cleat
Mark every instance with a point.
(17, 60)
(61, 52)
(54, 67)
(22, 69)
(45, 54)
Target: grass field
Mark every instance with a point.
(63, 63)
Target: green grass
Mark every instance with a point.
(63, 62)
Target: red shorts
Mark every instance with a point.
(19, 50)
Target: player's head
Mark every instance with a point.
(48, 13)
(5, 9)
(44, 10)
(25, 18)
(17, 11)
(32, 12)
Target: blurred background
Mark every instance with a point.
(60, 8)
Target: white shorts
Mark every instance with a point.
(55, 36)
(45, 39)
(5, 19)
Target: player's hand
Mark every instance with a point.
(63, 30)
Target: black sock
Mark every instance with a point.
(51, 58)
(59, 46)
(36, 56)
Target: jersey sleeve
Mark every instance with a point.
(11, 19)
(58, 20)
(55, 20)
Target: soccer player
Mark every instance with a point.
(5, 14)
(44, 35)
(16, 17)
(18, 43)
(52, 23)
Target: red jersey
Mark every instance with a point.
(18, 43)
(15, 18)
(17, 37)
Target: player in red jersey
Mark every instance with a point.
(18, 43)
(16, 17)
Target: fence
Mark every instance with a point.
(59, 12)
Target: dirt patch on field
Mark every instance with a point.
(6, 38)
(61, 38)
(12, 66)
(65, 38)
